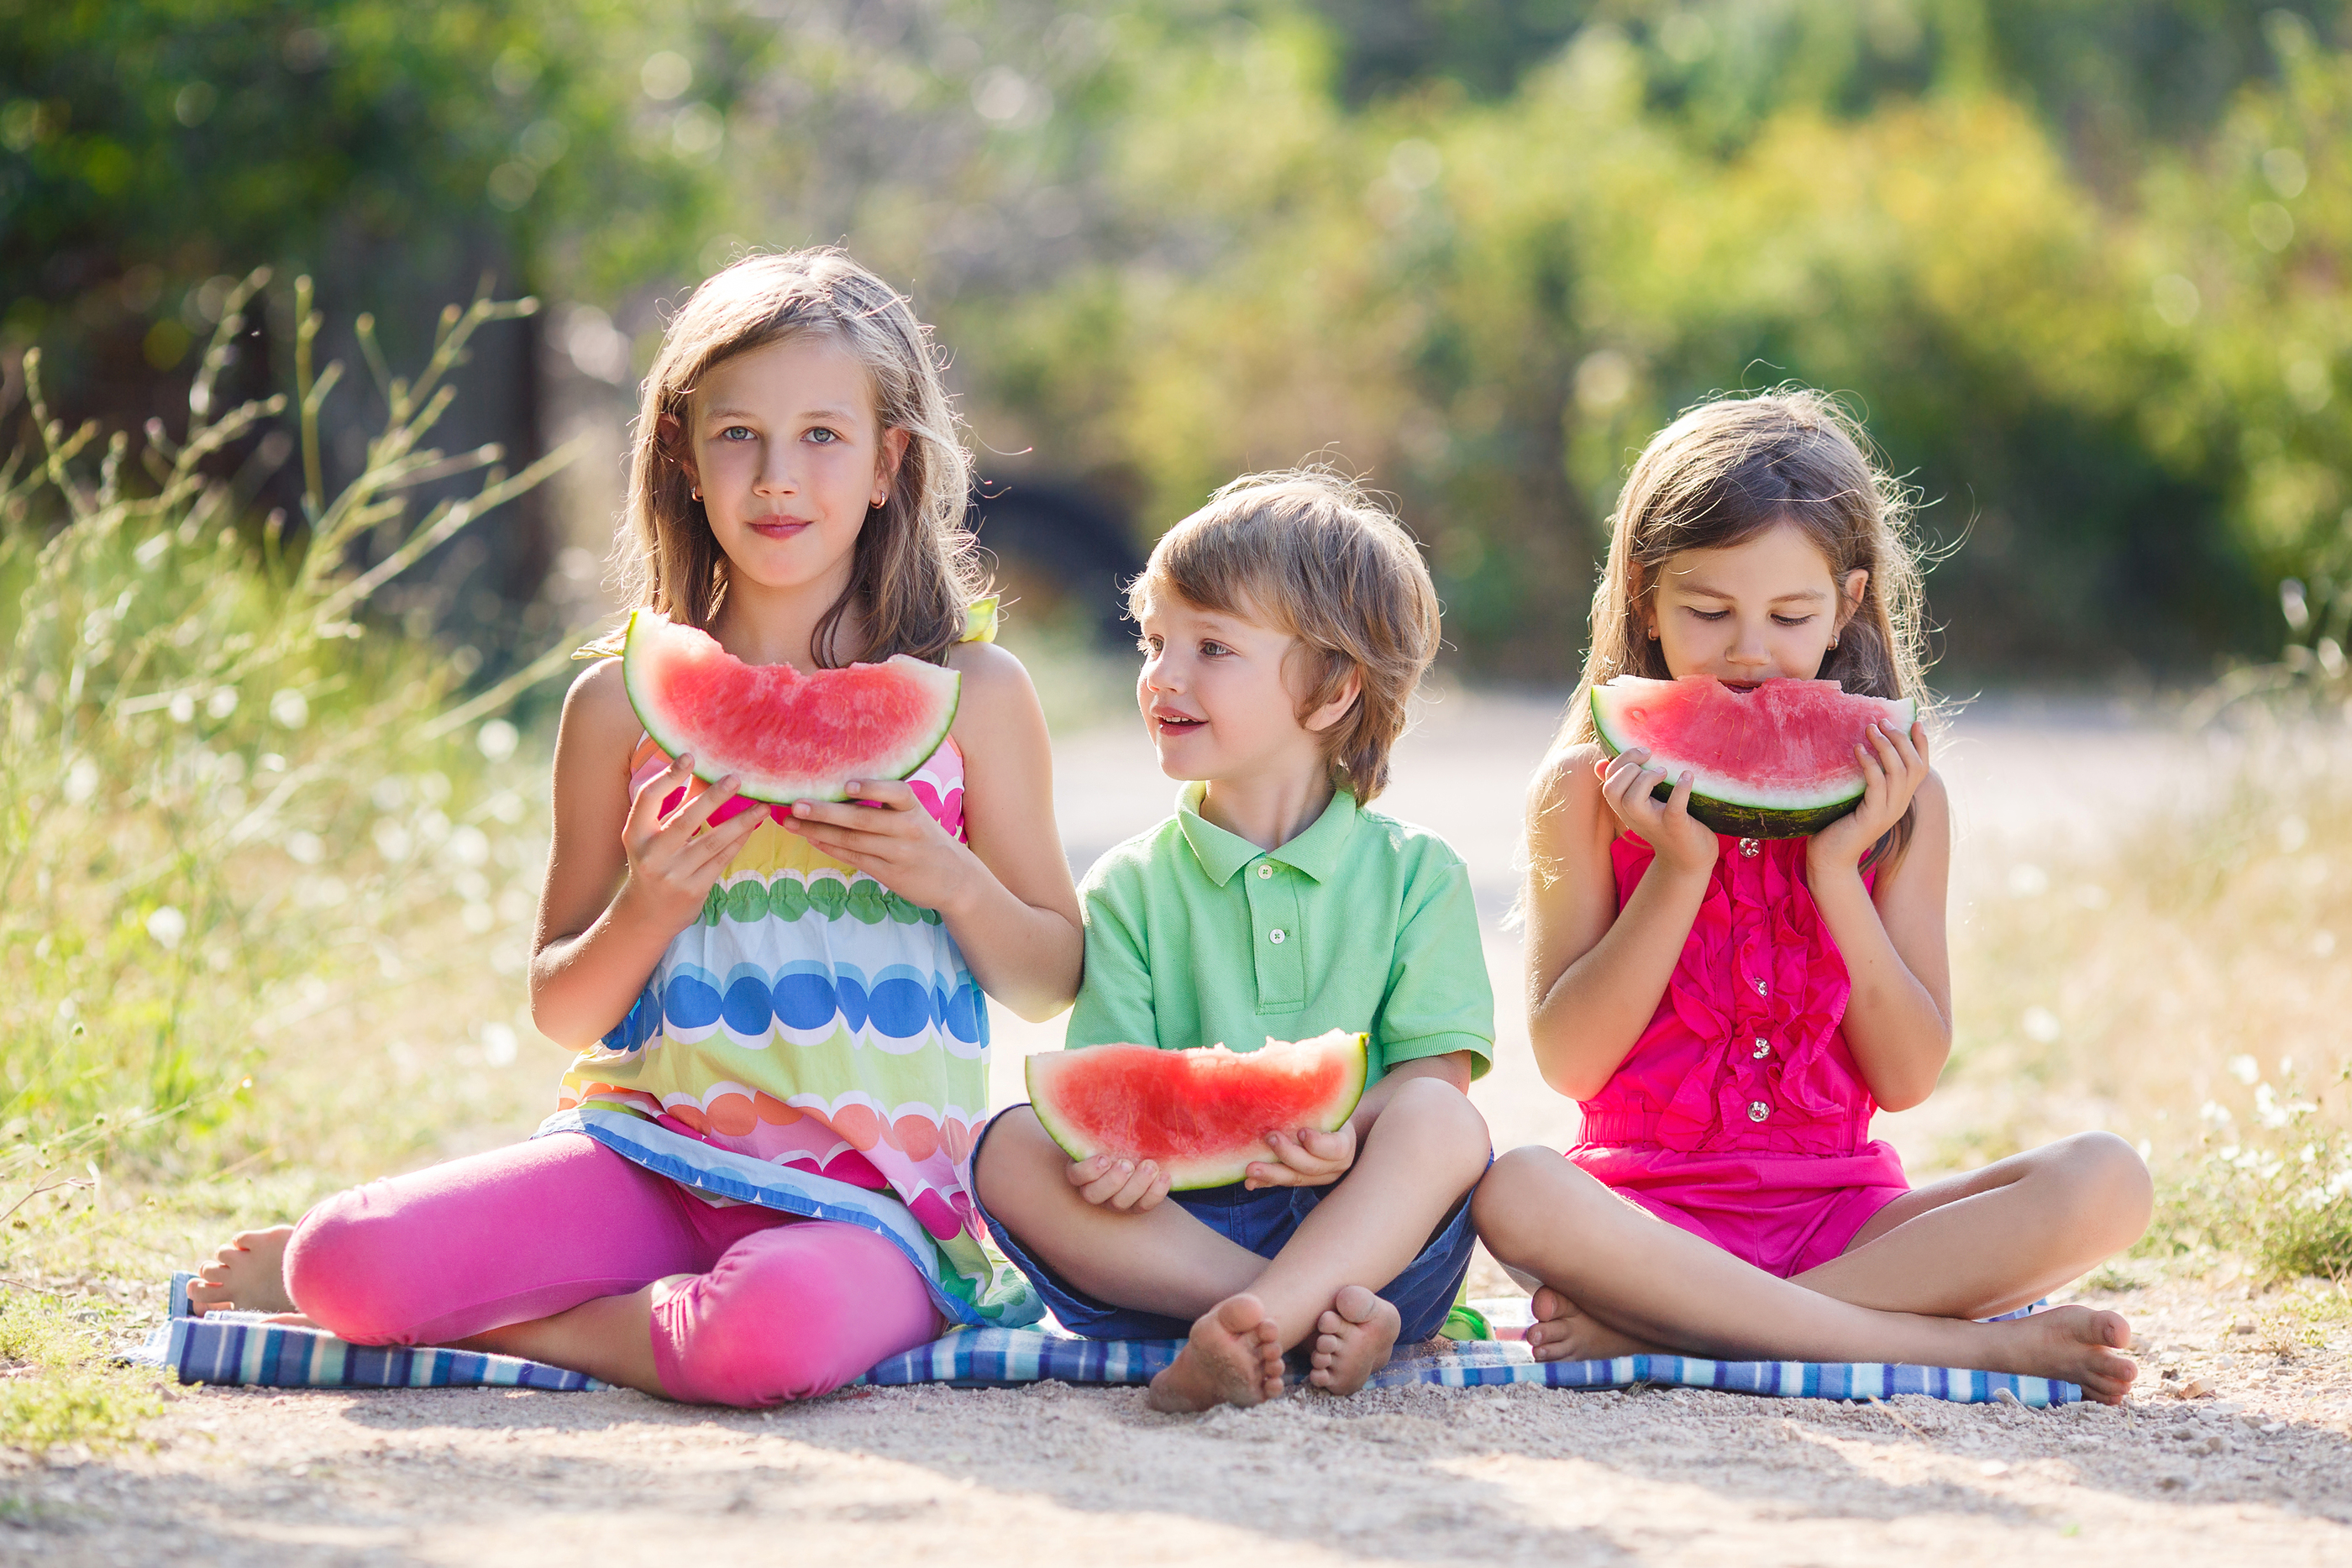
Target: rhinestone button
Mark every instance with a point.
(1750, 848)
(1761, 989)
(1758, 1110)
(1275, 936)
(1763, 1047)
(1265, 870)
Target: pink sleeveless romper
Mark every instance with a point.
(1740, 1114)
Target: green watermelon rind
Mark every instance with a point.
(673, 739)
(1744, 818)
(1199, 1174)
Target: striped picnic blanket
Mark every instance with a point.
(241, 1348)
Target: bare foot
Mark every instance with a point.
(248, 1275)
(1562, 1331)
(1352, 1340)
(1234, 1357)
(2076, 1344)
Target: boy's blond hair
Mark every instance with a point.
(1310, 552)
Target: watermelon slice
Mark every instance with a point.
(1774, 761)
(1202, 1115)
(784, 736)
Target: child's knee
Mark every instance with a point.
(344, 1269)
(1510, 1207)
(1014, 1153)
(1441, 1121)
(790, 1314)
(2103, 1168)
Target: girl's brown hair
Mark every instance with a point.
(1728, 471)
(1311, 553)
(915, 571)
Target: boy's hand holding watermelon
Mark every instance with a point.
(1132, 1186)
(1308, 1157)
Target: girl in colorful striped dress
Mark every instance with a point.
(756, 1182)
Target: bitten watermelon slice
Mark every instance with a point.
(1202, 1115)
(784, 736)
(1775, 761)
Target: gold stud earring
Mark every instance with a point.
(1832, 642)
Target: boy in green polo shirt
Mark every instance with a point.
(1285, 626)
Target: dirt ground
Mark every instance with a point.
(2258, 1470)
(2238, 1445)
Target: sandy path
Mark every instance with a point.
(2262, 1472)
(2259, 1469)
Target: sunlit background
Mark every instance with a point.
(272, 802)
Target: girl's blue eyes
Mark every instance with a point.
(821, 436)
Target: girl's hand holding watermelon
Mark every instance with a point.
(1894, 767)
(885, 832)
(672, 861)
(1683, 844)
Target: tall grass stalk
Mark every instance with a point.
(233, 807)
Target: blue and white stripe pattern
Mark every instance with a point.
(240, 1348)
(991, 1358)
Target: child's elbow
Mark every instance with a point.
(1905, 1090)
(1040, 1010)
(1569, 1078)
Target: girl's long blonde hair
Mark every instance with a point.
(915, 572)
(1726, 471)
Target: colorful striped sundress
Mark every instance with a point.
(814, 1043)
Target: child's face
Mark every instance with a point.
(788, 454)
(1220, 698)
(1761, 611)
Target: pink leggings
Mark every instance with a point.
(780, 1308)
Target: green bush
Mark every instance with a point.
(231, 807)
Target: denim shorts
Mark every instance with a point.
(1263, 1221)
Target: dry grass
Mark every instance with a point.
(2186, 983)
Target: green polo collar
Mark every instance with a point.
(1315, 851)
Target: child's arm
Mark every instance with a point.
(620, 880)
(1006, 893)
(1899, 1022)
(1595, 972)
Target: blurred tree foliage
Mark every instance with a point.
(2080, 263)
(149, 150)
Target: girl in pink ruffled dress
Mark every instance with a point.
(1730, 1012)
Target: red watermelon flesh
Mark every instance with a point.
(1772, 761)
(784, 736)
(1202, 1115)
